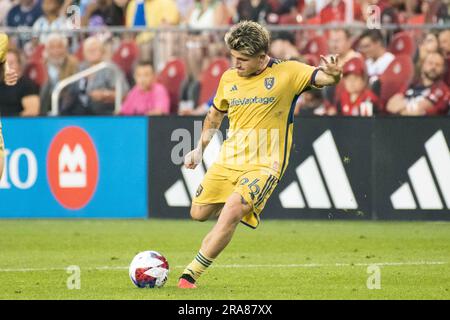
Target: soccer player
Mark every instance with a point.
(259, 95)
(10, 77)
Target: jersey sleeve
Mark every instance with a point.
(219, 102)
(303, 76)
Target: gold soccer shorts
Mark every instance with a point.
(255, 186)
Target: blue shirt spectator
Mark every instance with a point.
(25, 13)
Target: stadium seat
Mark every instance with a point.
(402, 44)
(396, 78)
(209, 79)
(316, 46)
(125, 56)
(171, 77)
(36, 71)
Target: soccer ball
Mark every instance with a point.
(149, 269)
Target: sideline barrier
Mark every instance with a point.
(340, 168)
(111, 167)
(76, 167)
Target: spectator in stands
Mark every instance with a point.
(104, 13)
(336, 11)
(5, 6)
(428, 45)
(24, 14)
(51, 20)
(435, 11)
(147, 97)
(200, 110)
(95, 94)
(208, 14)
(444, 42)
(389, 14)
(372, 46)
(444, 46)
(340, 42)
(22, 99)
(310, 103)
(429, 96)
(189, 93)
(153, 14)
(254, 10)
(59, 64)
(283, 46)
(184, 7)
(356, 99)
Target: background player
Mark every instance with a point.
(259, 95)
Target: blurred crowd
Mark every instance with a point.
(387, 71)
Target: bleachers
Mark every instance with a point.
(207, 58)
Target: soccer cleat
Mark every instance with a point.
(184, 284)
(3, 47)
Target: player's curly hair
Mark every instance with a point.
(249, 38)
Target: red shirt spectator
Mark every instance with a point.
(356, 99)
(429, 96)
(335, 12)
(366, 104)
(438, 94)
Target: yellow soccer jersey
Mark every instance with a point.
(260, 110)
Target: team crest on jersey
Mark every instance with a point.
(199, 191)
(269, 82)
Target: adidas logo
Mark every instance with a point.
(233, 88)
(312, 185)
(422, 181)
(182, 191)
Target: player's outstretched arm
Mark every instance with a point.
(212, 122)
(330, 73)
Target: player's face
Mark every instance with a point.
(247, 66)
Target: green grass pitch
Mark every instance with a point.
(279, 260)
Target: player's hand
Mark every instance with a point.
(193, 158)
(331, 66)
(11, 76)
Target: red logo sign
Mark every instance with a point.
(72, 168)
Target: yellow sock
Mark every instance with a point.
(198, 266)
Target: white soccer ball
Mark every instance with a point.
(149, 269)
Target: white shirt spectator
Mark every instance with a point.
(44, 27)
(375, 68)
